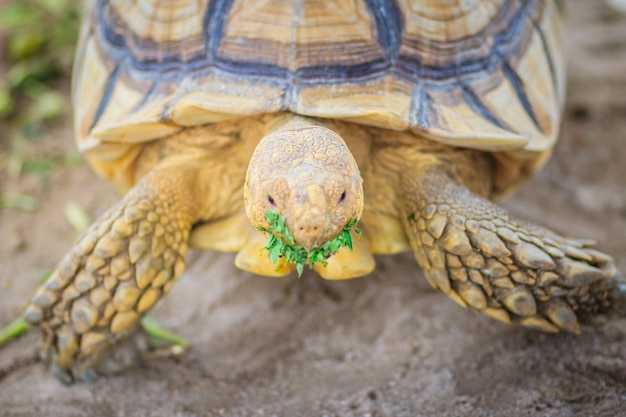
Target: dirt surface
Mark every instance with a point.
(384, 345)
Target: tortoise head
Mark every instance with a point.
(304, 173)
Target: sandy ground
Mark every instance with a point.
(385, 345)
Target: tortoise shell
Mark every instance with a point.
(484, 74)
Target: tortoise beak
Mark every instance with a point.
(310, 219)
(309, 234)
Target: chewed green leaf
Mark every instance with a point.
(274, 253)
(271, 217)
(333, 246)
(297, 254)
(348, 238)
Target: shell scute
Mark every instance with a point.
(479, 74)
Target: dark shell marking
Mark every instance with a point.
(431, 73)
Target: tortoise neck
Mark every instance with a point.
(290, 121)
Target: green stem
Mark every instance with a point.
(13, 330)
(153, 328)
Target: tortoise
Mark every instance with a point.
(226, 122)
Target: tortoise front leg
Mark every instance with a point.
(127, 260)
(511, 270)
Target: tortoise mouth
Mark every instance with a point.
(281, 244)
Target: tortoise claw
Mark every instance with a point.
(507, 268)
(117, 271)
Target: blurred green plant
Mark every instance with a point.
(77, 216)
(40, 39)
(19, 201)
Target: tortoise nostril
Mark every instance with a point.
(308, 229)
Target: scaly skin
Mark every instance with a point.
(468, 247)
(117, 271)
(491, 262)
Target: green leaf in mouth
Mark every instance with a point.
(285, 246)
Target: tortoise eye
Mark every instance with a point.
(343, 197)
(271, 200)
